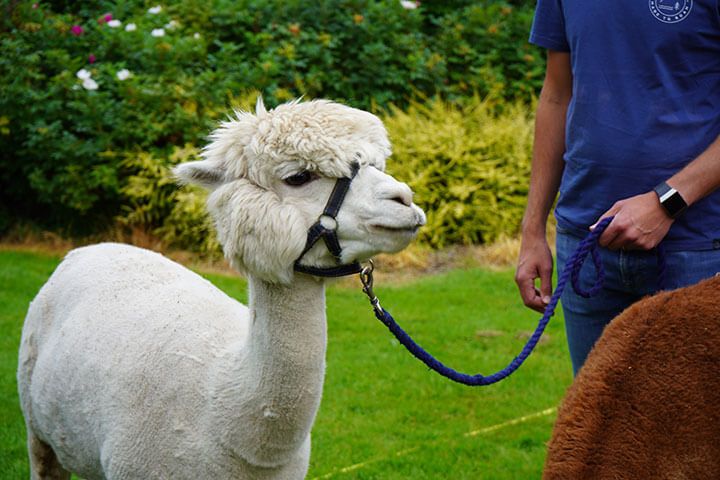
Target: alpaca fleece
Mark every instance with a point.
(318, 136)
(259, 231)
(646, 404)
(133, 367)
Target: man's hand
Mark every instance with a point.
(535, 261)
(640, 223)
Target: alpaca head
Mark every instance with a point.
(271, 173)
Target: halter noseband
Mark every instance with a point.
(328, 232)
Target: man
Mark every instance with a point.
(627, 125)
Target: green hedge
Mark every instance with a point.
(71, 148)
(467, 164)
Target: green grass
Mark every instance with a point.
(383, 414)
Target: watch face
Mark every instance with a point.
(670, 199)
(674, 204)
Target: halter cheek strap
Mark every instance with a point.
(326, 229)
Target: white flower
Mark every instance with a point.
(130, 27)
(172, 24)
(82, 74)
(155, 9)
(196, 36)
(89, 84)
(408, 5)
(158, 32)
(114, 23)
(123, 74)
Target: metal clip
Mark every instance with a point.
(366, 277)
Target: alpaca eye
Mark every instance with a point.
(299, 179)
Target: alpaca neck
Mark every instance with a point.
(278, 373)
(288, 337)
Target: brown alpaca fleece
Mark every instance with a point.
(646, 404)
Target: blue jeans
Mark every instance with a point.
(629, 276)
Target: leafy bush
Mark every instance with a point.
(359, 52)
(98, 98)
(371, 53)
(484, 49)
(468, 165)
(177, 216)
(71, 116)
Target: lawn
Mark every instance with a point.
(383, 415)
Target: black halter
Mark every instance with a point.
(329, 233)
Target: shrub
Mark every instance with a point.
(65, 136)
(77, 153)
(370, 53)
(359, 52)
(177, 216)
(468, 165)
(485, 51)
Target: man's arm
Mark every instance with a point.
(641, 223)
(535, 260)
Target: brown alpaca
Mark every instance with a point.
(646, 404)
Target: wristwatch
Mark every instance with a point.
(671, 200)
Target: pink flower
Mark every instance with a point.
(108, 17)
(77, 30)
(34, 6)
(91, 58)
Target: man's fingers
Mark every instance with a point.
(610, 213)
(611, 232)
(546, 286)
(527, 289)
(535, 263)
(531, 296)
(621, 240)
(620, 234)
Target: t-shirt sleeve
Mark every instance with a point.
(548, 28)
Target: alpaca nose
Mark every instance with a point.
(399, 193)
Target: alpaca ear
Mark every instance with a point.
(202, 172)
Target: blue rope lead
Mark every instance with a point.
(588, 246)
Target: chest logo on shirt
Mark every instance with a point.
(670, 11)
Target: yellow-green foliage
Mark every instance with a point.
(153, 200)
(176, 215)
(468, 165)
(188, 225)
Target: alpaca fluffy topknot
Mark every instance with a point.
(317, 135)
(249, 154)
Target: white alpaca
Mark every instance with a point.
(133, 367)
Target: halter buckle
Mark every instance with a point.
(328, 222)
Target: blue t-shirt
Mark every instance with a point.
(646, 102)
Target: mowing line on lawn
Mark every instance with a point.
(473, 433)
